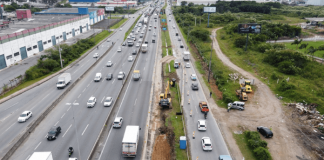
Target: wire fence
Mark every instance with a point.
(13, 83)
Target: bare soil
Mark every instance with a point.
(161, 150)
(263, 110)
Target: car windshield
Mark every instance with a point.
(108, 100)
(60, 82)
(23, 115)
(90, 101)
(109, 75)
(52, 131)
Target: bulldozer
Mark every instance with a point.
(165, 98)
(242, 94)
(247, 85)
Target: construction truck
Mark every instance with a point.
(241, 93)
(246, 84)
(165, 98)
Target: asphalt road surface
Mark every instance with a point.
(213, 132)
(81, 125)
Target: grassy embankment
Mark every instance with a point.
(132, 27)
(117, 25)
(175, 120)
(319, 54)
(99, 37)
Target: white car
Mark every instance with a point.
(91, 102)
(121, 29)
(187, 65)
(118, 122)
(206, 144)
(96, 55)
(109, 64)
(130, 58)
(121, 75)
(119, 49)
(108, 101)
(108, 40)
(193, 77)
(137, 44)
(202, 126)
(24, 116)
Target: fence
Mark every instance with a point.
(12, 84)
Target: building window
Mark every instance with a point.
(16, 54)
(28, 49)
(70, 32)
(67, 34)
(61, 36)
(57, 37)
(9, 57)
(49, 41)
(45, 42)
(34, 46)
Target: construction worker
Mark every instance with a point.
(228, 108)
(210, 94)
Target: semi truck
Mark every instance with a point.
(186, 55)
(63, 80)
(130, 141)
(144, 48)
(41, 156)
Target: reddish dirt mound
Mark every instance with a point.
(161, 150)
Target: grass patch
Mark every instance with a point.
(290, 20)
(99, 37)
(242, 143)
(310, 43)
(131, 28)
(173, 70)
(165, 37)
(108, 17)
(117, 25)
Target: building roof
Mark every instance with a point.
(65, 10)
(35, 21)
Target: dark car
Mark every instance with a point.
(194, 86)
(53, 133)
(109, 76)
(266, 132)
(134, 52)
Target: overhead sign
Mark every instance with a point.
(209, 9)
(249, 28)
(109, 8)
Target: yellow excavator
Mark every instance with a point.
(242, 94)
(165, 98)
(247, 85)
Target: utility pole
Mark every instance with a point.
(211, 51)
(195, 20)
(60, 52)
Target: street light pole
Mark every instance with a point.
(60, 52)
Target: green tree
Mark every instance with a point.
(296, 42)
(191, 4)
(262, 153)
(311, 51)
(184, 3)
(304, 45)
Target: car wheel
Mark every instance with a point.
(240, 109)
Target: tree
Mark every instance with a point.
(184, 3)
(311, 51)
(304, 45)
(297, 42)
(191, 4)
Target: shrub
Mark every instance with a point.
(284, 86)
(274, 76)
(257, 143)
(263, 47)
(278, 46)
(240, 42)
(227, 98)
(262, 153)
(288, 67)
(252, 135)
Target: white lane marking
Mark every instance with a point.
(67, 131)
(11, 106)
(123, 64)
(113, 81)
(56, 123)
(63, 115)
(68, 108)
(88, 60)
(9, 127)
(83, 90)
(38, 145)
(141, 81)
(79, 95)
(27, 157)
(75, 71)
(105, 142)
(82, 65)
(39, 101)
(135, 102)
(85, 130)
(102, 99)
(88, 85)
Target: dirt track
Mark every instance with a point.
(263, 110)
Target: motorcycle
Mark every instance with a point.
(70, 153)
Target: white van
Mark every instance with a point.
(98, 77)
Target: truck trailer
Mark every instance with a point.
(186, 55)
(41, 156)
(130, 141)
(144, 48)
(63, 80)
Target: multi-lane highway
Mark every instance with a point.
(81, 125)
(213, 132)
(40, 97)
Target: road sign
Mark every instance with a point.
(109, 8)
(209, 9)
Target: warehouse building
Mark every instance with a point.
(35, 33)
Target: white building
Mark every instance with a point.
(314, 2)
(27, 37)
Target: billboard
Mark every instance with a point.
(249, 28)
(209, 9)
(109, 8)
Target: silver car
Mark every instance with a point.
(130, 58)
(108, 101)
(118, 122)
(109, 64)
(121, 75)
(91, 102)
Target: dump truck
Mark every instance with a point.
(41, 156)
(246, 84)
(241, 93)
(136, 75)
(130, 141)
(165, 98)
(63, 80)
(203, 107)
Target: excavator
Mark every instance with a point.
(242, 94)
(165, 98)
(247, 85)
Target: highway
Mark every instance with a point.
(213, 132)
(40, 97)
(81, 125)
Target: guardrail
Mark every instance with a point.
(35, 123)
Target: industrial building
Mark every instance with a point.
(31, 34)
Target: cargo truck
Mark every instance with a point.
(144, 48)
(130, 141)
(41, 156)
(63, 80)
(145, 20)
(186, 55)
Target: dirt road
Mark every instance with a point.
(263, 110)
